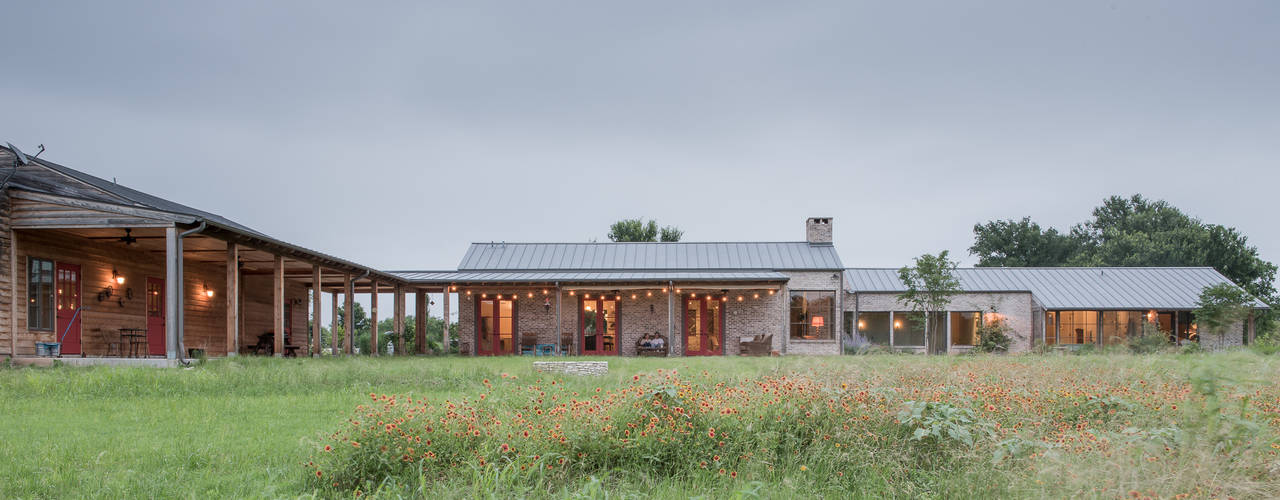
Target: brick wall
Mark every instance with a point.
(832, 281)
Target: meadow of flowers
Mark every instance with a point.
(1191, 426)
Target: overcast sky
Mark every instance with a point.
(395, 135)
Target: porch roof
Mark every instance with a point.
(451, 277)
(651, 257)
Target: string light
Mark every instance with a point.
(755, 295)
(664, 289)
(586, 295)
(468, 293)
(544, 291)
(648, 293)
(724, 298)
(677, 290)
(633, 296)
(692, 295)
(739, 298)
(484, 295)
(571, 293)
(770, 292)
(531, 295)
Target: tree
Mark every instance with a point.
(1222, 307)
(930, 284)
(637, 230)
(1009, 243)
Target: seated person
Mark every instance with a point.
(646, 341)
(657, 341)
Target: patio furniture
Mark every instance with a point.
(137, 340)
(566, 344)
(266, 344)
(642, 350)
(528, 344)
(757, 347)
(114, 342)
(544, 350)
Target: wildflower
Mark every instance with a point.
(803, 468)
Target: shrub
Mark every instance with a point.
(993, 336)
(1151, 340)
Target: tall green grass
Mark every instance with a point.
(246, 427)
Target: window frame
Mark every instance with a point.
(805, 296)
(43, 310)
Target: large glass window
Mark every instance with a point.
(1187, 330)
(812, 315)
(964, 327)
(1077, 327)
(874, 327)
(908, 329)
(40, 294)
(1119, 326)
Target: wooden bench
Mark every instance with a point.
(758, 347)
(651, 351)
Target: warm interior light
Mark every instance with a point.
(208, 292)
(817, 321)
(484, 295)
(692, 295)
(897, 323)
(544, 291)
(862, 325)
(755, 295)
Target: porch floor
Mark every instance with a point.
(92, 361)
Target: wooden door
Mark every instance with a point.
(598, 326)
(495, 330)
(67, 285)
(155, 316)
(703, 326)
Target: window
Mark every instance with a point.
(964, 327)
(874, 327)
(847, 324)
(908, 329)
(1077, 327)
(40, 311)
(812, 315)
(1119, 326)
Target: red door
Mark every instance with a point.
(68, 287)
(155, 317)
(495, 332)
(703, 325)
(598, 326)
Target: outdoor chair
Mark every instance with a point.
(266, 345)
(113, 342)
(566, 344)
(528, 344)
(759, 346)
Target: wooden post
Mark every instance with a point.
(420, 315)
(233, 298)
(373, 318)
(349, 319)
(399, 321)
(277, 305)
(333, 326)
(172, 287)
(315, 309)
(445, 315)
(13, 293)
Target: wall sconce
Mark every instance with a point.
(116, 277)
(208, 292)
(897, 324)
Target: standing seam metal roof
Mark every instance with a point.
(713, 256)
(1071, 287)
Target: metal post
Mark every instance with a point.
(172, 279)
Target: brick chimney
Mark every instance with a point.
(818, 230)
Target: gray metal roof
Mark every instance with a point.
(447, 277)
(774, 256)
(1071, 287)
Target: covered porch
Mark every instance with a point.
(612, 314)
(123, 284)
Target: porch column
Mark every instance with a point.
(333, 326)
(1250, 332)
(13, 294)
(277, 305)
(315, 309)
(373, 318)
(348, 319)
(399, 320)
(172, 287)
(445, 315)
(671, 336)
(233, 298)
(420, 312)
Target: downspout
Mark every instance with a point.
(182, 320)
(671, 339)
(560, 325)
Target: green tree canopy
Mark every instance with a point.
(930, 282)
(1131, 231)
(1221, 307)
(627, 230)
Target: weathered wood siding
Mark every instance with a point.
(6, 279)
(205, 316)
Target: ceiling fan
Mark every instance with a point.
(128, 238)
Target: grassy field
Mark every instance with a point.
(1102, 426)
